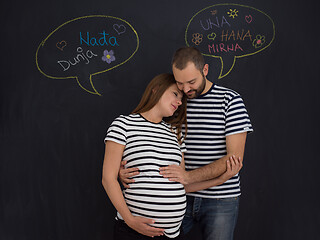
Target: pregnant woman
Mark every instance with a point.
(148, 139)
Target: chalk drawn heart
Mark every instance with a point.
(61, 45)
(212, 36)
(119, 28)
(248, 19)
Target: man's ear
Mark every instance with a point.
(205, 70)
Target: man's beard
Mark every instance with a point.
(197, 91)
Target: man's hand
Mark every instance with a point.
(234, 165)
(175, 173)
(125, 174)
(142, 225)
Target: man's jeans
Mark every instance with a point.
(217, 217)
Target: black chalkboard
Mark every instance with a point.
(54, 115)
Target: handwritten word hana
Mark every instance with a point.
(226, 36)
(104, 40)
(80, 57)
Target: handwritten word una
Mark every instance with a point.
(211, 24)
(104, 40)
(80, 57)
(225, 36)
(221, 47)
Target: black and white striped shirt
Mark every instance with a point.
(211, 117)
(149, 146)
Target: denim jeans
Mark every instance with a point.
(217, 217)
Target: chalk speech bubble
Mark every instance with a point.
(86, 46)
(228, 32)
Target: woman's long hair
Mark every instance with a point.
(152, 95)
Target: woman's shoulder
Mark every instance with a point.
(128, 118)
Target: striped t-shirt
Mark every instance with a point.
(149, 146)
(211, 117)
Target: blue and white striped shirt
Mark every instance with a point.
(211, 117)
(149, 146)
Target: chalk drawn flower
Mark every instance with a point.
(108, 56)
(259, 41)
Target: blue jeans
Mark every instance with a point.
(217, 217)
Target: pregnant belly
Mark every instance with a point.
(162, 201)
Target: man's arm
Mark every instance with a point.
(235, 147)
(233, 167)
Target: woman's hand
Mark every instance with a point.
(142, 225)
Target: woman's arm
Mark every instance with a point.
(111, 165)
(233, 167)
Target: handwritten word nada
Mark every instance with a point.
(96, 41)
(81, 57)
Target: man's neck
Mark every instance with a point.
(207, 87)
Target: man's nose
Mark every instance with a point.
(186, 88)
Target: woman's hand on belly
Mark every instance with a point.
(142, 225)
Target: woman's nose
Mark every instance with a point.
(179, 102)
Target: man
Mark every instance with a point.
(217, 128)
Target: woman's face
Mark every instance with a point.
(170, 101)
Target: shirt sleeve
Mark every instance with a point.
(237, 118)
(117, 131)
(183, 146)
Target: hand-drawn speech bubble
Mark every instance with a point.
(86, 46)
(229, 31)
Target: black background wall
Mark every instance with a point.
(52, 131)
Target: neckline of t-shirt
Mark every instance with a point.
(150, 121)
(203, 95)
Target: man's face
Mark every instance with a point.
(190, 80)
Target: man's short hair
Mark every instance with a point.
(185, 55)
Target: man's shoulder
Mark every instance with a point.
(221, 90)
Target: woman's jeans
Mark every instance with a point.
(217, 217)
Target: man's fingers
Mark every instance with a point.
(228, 165)
(127, 173)
(130, 170)
(131, 174)
(127, 180)
(125, 185)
